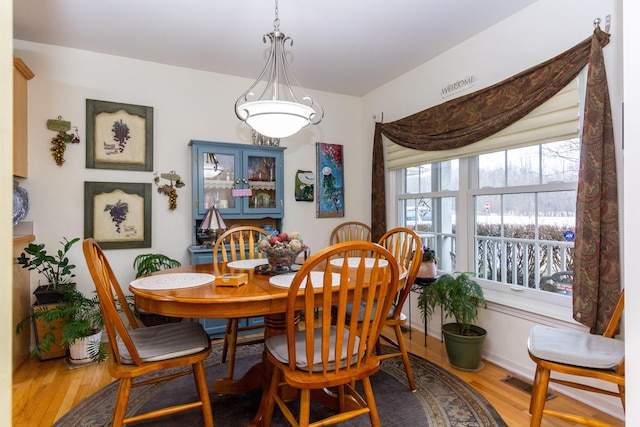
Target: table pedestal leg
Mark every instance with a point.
(260, 374)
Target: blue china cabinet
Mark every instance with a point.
(245, 183)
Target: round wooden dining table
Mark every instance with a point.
(257, 297)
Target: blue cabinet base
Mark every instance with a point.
(217, 327)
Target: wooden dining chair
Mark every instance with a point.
(324, 353)
(137, 351)
(578, 354)
(238, 243)
(405, 245)
(349, 232)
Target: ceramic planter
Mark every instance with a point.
(45, 295)
(465, 352)
(79, 350)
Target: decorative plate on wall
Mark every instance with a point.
(20, 203)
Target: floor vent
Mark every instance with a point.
(522, 385)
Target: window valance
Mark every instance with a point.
(555, 120)
(473, 117)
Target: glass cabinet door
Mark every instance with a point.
(219, 168)
(262, 173)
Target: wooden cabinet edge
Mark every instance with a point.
(21, 301)
(23, 68)
(21, 76)
(21, 240)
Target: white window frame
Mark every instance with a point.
(502, 297)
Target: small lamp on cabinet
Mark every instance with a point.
(211, 226)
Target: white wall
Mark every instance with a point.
(6, 198)
(534, 35)
(632, 203)
(188, 104)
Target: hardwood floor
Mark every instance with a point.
(44, 391)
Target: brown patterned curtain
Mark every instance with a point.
(597, 245)
(475, 116)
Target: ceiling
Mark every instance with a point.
(342, 46)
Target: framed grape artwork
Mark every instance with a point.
(118, 214)
(119, 136)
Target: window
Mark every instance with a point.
(428, 206)
(525, 206)
(519, 214)
(503, 207)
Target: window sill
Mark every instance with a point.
(519, 304)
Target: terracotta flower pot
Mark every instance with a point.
(428, 269)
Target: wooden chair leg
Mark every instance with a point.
(270, 404)
(341, 398)
(231, 339)
(305, 407)
(203, 391)
(124, 390)
(371, 403)
(536, 379)
(538, 395)
(225, 345)
(378, 347)
(405, 357)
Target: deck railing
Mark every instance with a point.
(522, 262)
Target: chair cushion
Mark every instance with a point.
(349, 310)
(277, 346)
(166, 341)
(575, 348)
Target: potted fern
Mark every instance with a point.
(144, 264)
(459, 297)
(74, 323)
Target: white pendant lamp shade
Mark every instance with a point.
(283, 107)
(277, 119)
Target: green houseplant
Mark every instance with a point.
(77, 317)
(145, 264)
(56, 269)
(150, 263)
(459, 296)
(429, 255)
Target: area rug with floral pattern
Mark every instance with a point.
(442, 399)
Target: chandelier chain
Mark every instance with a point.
(276, 21)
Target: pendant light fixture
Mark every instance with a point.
(282, 107)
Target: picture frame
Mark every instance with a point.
(119, 136)
(118, 215)
(330, 180)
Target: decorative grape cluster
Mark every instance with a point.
(169, 189)
(60, 142)
(118, 213)
(173, 199)
(121, 134)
